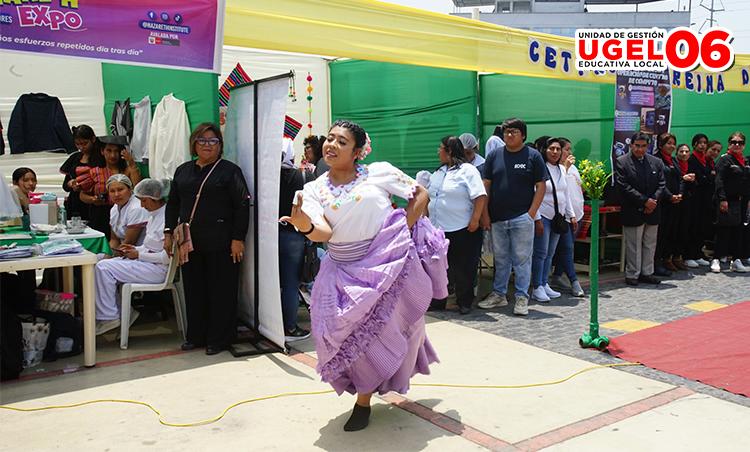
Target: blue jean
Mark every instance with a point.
(564, 256)
(512, 245)
(291, 255)
(544, 250)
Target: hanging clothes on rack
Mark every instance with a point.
(168, 144)
(121, 124)
(38, 123)
(141, 129)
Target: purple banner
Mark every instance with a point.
(172, 33)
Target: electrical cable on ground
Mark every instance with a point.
(294, 394)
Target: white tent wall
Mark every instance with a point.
(77, 82)
(259, 64)
(240, 148)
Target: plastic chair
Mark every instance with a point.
(178, 297)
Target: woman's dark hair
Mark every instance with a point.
(83, 132)
(663, 139)
(360, 137)
(19, 173)
(455, 151)
(515, 123)
(564, 141)
(549, 143)
(200, 130)
(316, 142)
(697, 137)
(540, 144)
(712, 143)
(498, 132)
(736, 134)
(681, 145)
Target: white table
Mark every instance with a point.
(87, 261)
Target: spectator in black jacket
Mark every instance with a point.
(682, 211)
(732, 180)
(702, 210)
(666, 143)
(640, 180)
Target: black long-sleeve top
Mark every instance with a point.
(223, 212)
(704, 180)
(73, 204)
(732, 179)
(637, 181)
(38, 123)
(672, 178)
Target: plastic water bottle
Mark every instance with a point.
(62, 216)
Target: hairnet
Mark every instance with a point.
(468, 140)
(151, 188)
(121, 178)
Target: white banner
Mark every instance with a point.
(240, 138)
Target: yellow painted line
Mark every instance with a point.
(705, 306)
(629, 325)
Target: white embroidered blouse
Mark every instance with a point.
(356, 211)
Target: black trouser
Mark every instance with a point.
(729, 242)
(701, 222)
(666, 242)
(211, 283)
(463, 260)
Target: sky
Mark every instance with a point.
(736, 16)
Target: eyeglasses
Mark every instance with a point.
(511, 132)
(208, 141)
(737, 142)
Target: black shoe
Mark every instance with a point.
(214, 349)
(187, 346)
(463, 310)
(359, 419)
(631, 281)
(297, 334)
(661, 271)
(438, 305)
(649, 279)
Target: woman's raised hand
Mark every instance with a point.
(298, 218)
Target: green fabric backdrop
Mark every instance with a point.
(584, 112)
(199, 90)
(405, 109)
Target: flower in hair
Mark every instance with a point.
(367, 148)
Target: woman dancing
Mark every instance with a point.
(383, 268)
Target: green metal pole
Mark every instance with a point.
(592, 339)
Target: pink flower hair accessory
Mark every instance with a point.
(367, 148)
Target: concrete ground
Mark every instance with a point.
(604, 409)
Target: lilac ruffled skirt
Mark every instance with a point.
(368, 307)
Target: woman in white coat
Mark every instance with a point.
(146, 263)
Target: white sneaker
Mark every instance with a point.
(103, 326)
(540, 295)
(691, 263)
(715, 266)
(559, 282)
(551, 293)
(522, 305)
(703, 262)
(493, 300)
(736, 266)
(576, 289)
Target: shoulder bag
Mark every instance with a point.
(183, 242)
(311, 261)
(559, 225)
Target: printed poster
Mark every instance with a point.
(169, 33)
(643, 102)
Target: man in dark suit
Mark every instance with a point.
(641, 182)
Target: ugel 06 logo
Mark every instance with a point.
(654, 49)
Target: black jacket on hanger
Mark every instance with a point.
(121, 123)
(38, 123)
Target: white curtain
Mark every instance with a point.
(239, 147)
